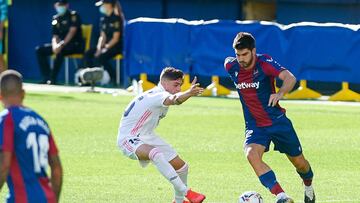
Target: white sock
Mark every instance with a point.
(167, 171)
(309, 191)
(183, 173)
(281, 195)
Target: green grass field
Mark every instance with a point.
(208, 133)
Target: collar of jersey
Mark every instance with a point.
(161, 87)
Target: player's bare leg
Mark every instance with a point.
(303, 168)
(148, 152)
(254, 154)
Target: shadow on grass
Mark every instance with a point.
(50, 96)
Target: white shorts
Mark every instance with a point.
(129, 144)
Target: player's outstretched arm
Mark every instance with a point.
(5, 161)
(181, 97)
(56, 174)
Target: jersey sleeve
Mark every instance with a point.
(53, 150)
(272, 67)
(102, 23)
(7, 133)
(157, 99)
(75, 20)
(117, 24)
(228, 63)
(54, 26)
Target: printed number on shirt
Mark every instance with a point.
(131, 106)
(127, 111)
(248, 133)
(40, 148)
(134, 141)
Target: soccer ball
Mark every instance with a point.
(251, 197)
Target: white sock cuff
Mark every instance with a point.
(183, 169)
(153, 153)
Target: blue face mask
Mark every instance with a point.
(60, 10)
(102, 10)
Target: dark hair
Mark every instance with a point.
(244, 40)
(10, 83)
(170, 73)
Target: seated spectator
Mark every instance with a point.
(67, 39)
(110, 42)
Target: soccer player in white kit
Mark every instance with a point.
(138, 140)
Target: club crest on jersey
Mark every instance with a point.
(236, 73)
(247, 85)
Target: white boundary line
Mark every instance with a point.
(322, 101)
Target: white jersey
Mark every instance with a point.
(143, 113)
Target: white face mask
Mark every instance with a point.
(60, 9)
(103, 10)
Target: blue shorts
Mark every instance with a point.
(281, 133)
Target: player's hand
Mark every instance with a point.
(104, 50)
(56, 49)
(195, 88)
(274, 99)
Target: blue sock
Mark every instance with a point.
(307, 177)
(268, 179)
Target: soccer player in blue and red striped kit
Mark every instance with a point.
(265, 121)
(26, 148)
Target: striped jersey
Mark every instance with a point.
(27, 136)
(254, 87)
(144, 112)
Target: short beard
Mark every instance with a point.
(246, 65)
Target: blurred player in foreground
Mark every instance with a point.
(138, 140)
(26, 148)
(253, 75)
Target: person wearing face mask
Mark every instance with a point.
(66, 40)
(110, 42)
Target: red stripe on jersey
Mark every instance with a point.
(142, 123)
(139, 121)
(8, 133)
(145, 115)
(52, 146)
(253, 103)
(270, 69)
(228, 66)
(229, 62)
(128, 146)
(256, 109)
(18, 181)
(46, 187)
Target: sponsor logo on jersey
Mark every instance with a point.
(246, 85)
